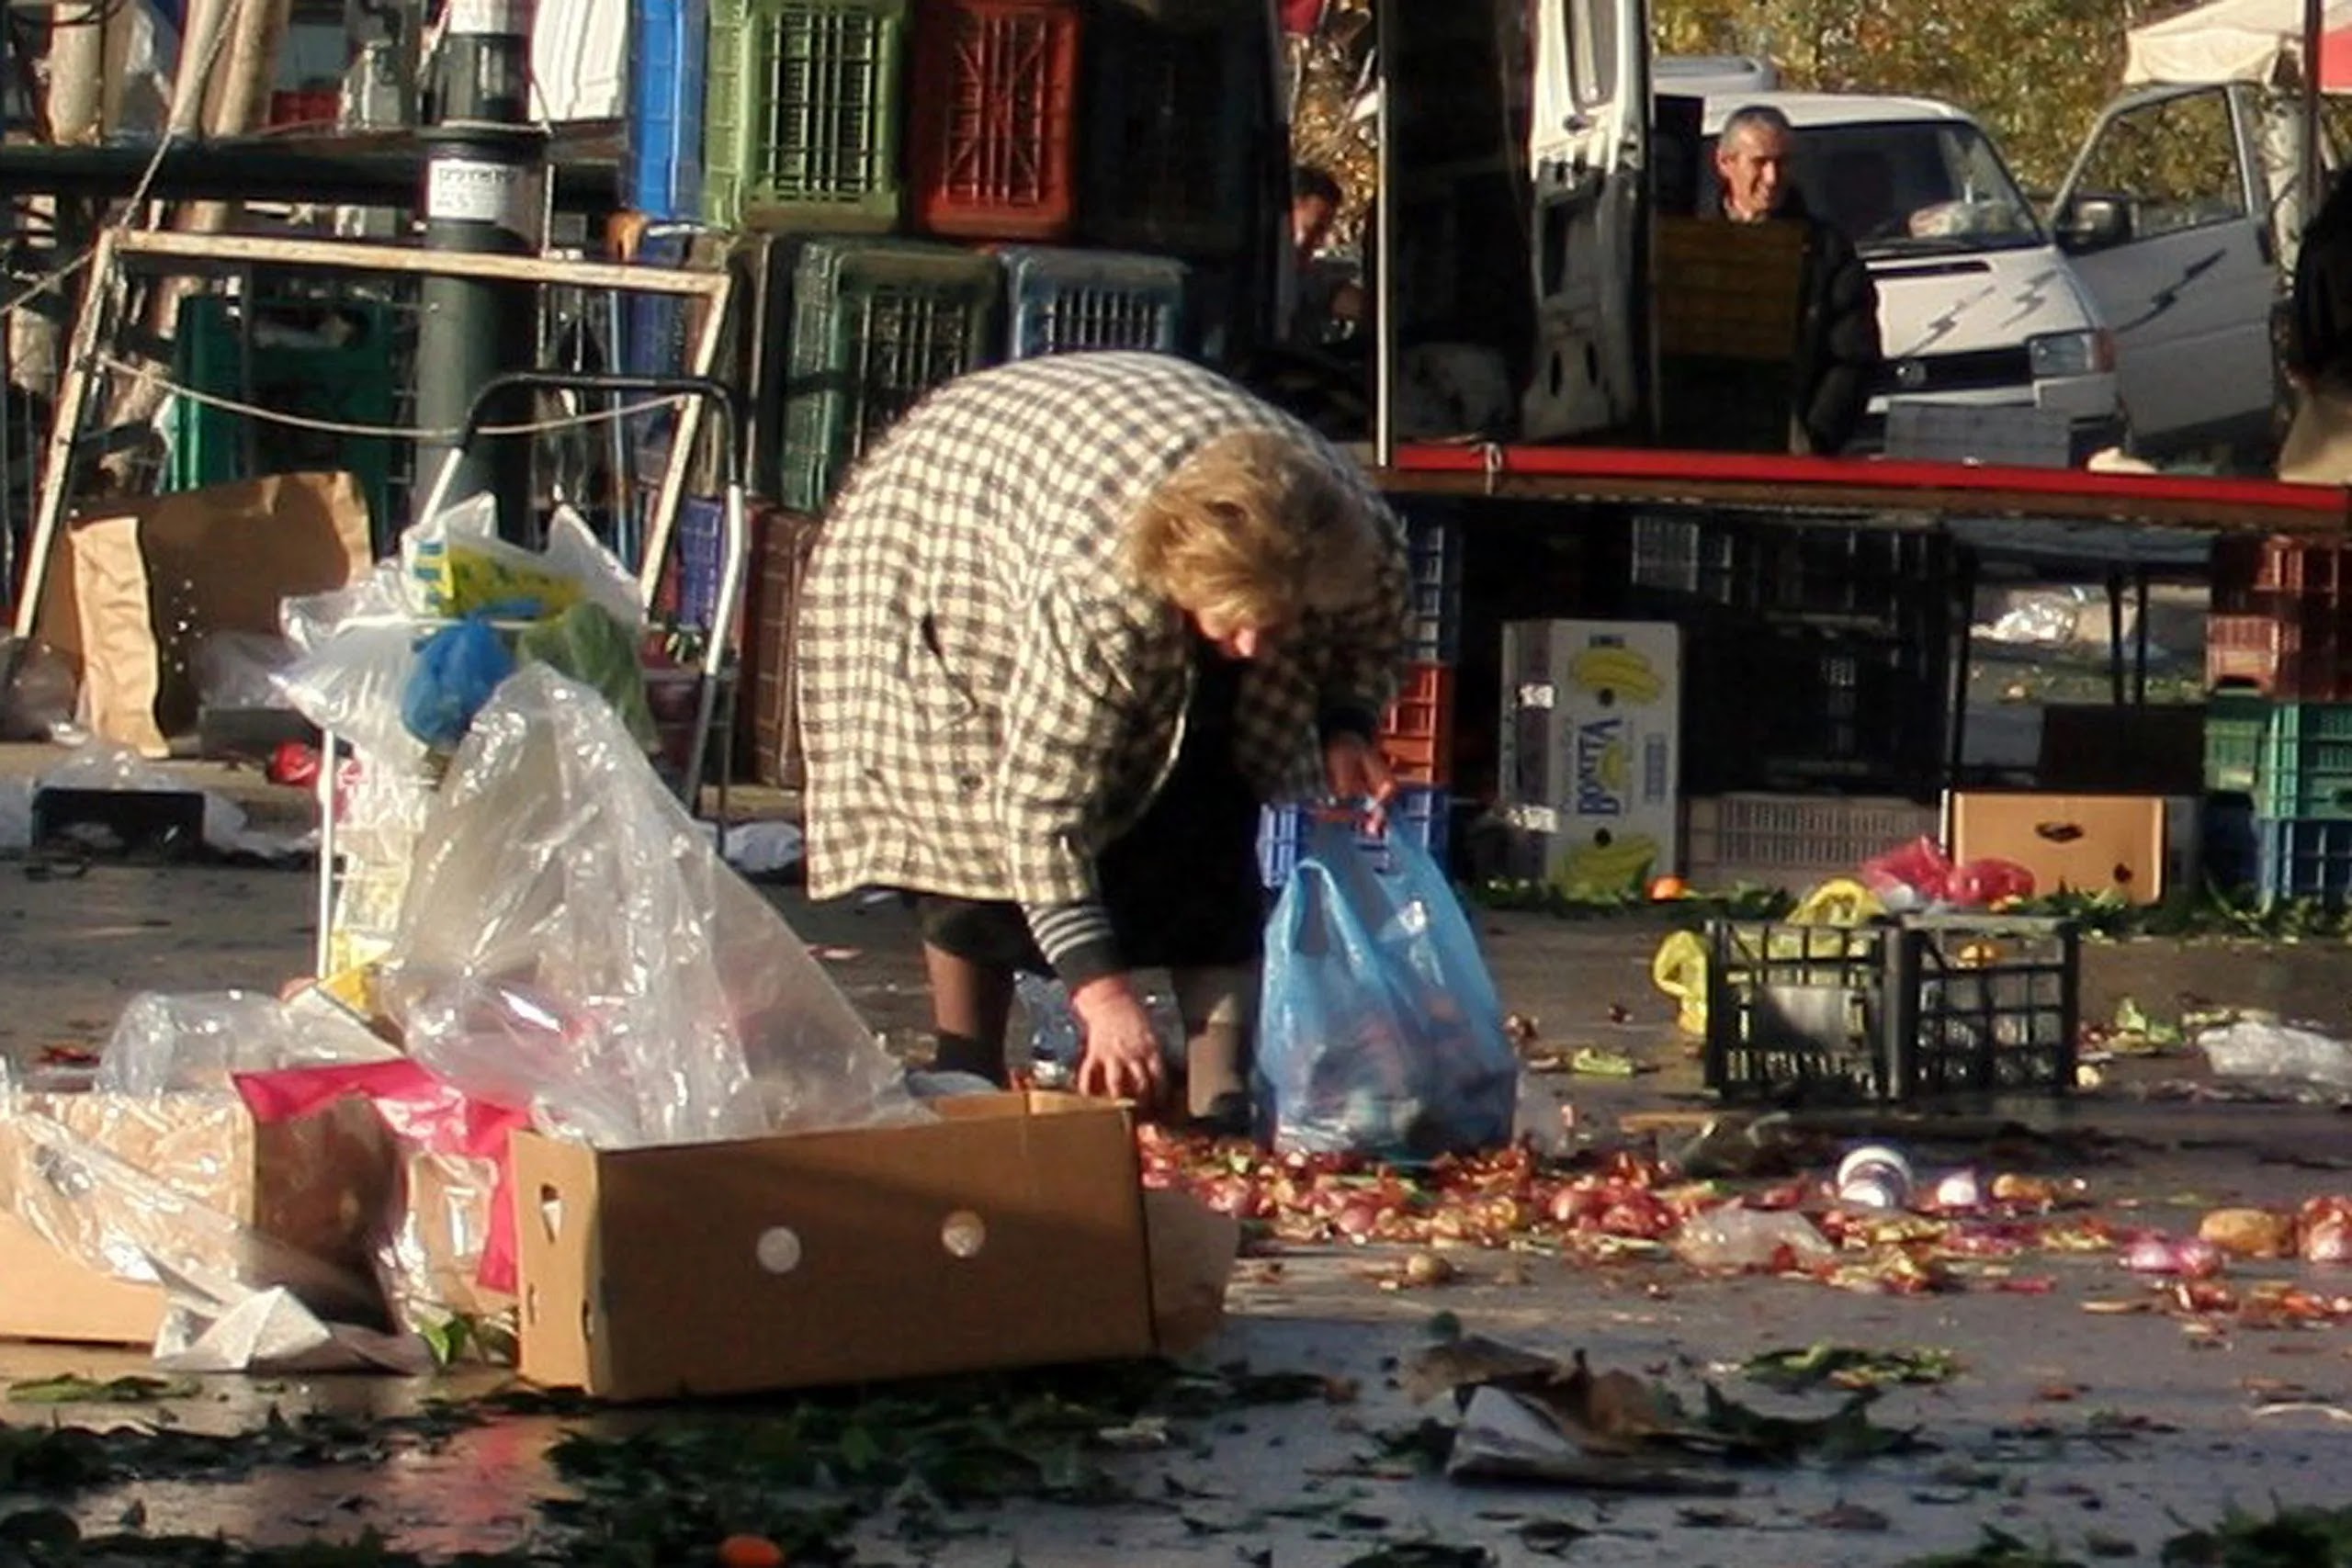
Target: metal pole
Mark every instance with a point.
(1384, 213)
(2140, 636)
(2115, 636)
(2314, 40)
(485, 175)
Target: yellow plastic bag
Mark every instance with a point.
(1840, 901)
(1680, 969)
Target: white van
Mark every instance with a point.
(1976, 306)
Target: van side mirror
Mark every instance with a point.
(2093, 223)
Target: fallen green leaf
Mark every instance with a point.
(1423, 1554)
(1851, 1367)
(1599, 1062)
(2290, 1538)
(73, 1389)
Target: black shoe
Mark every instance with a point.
(1227, 1117)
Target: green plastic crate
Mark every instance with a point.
(2305, 770)
(325, 360)
(803, 128)
(876, 324)
(2234, 722)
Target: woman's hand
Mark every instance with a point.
(1122, 1054)
(1358, 770)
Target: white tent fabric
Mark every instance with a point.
(2231, 40)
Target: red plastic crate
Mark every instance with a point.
(1416, 733)
(307, 106)
(995, 85)
(2287, 657)
(2253, 574)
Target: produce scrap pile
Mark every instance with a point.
(1622, 1207)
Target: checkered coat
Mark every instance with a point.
(986, 701)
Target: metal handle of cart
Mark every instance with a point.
(735, 551)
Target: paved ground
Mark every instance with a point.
(2156, 1424)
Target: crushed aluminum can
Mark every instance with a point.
(1046, 1072)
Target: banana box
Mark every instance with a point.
(1591, 752)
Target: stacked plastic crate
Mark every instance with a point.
(1819, 653)
(2279, 717)
(1417, 732)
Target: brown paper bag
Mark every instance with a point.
(136, 587)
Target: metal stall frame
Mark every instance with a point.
(120, 252)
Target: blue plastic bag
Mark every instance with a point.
(1379, 1029)
(456, 670)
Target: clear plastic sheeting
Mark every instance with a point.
(141, 1189)
(163, 1044)
(569, 932)
(356, 650)
(236, 670)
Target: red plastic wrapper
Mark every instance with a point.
(1920, 875)
(1984, 883)
(422, 1108)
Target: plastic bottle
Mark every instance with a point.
(1736, 1237)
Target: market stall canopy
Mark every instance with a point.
(2239, 40)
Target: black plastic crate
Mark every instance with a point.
(1926, 1007)
(1798, 1011)
(1872, 581)
(1985, 1005)
(1774, 709)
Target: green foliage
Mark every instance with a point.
(2036, 72)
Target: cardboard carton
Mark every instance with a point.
(2137, 846)
(1590, 750)
(320, 1184)
(1008, 1233)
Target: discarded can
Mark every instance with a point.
(1874, 1177)
(1048, 1074)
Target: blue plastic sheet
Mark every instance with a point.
(1380, 1033)
(455, 671)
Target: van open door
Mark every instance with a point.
(1587, 151)
(2165, 217)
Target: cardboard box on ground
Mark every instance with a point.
(132, 587)
(319, 1186)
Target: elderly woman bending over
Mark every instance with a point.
(1067, 627)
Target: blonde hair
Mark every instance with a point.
(1254, 529)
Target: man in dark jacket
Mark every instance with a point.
(1838, 344)
(2317, 354)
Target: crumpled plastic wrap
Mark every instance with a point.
(356, 651)
(164, 1043)
(187, 1186)
(570, 941)
(449, 1245)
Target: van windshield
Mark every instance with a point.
(1912, 187)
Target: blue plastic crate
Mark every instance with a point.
(1066, 300)
(1419, 813)
(1434, 549)
(700, 543)
(2304, 858)
(668, 84)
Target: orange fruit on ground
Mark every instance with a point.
(750, 1552)
(1665, 888)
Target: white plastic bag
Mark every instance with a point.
(454, 563)
(662, 999)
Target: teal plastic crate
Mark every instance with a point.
(804, 125)
(2305, 769)
(876, 324)
(2304, 858)
(2234, 722)
(317, 359)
